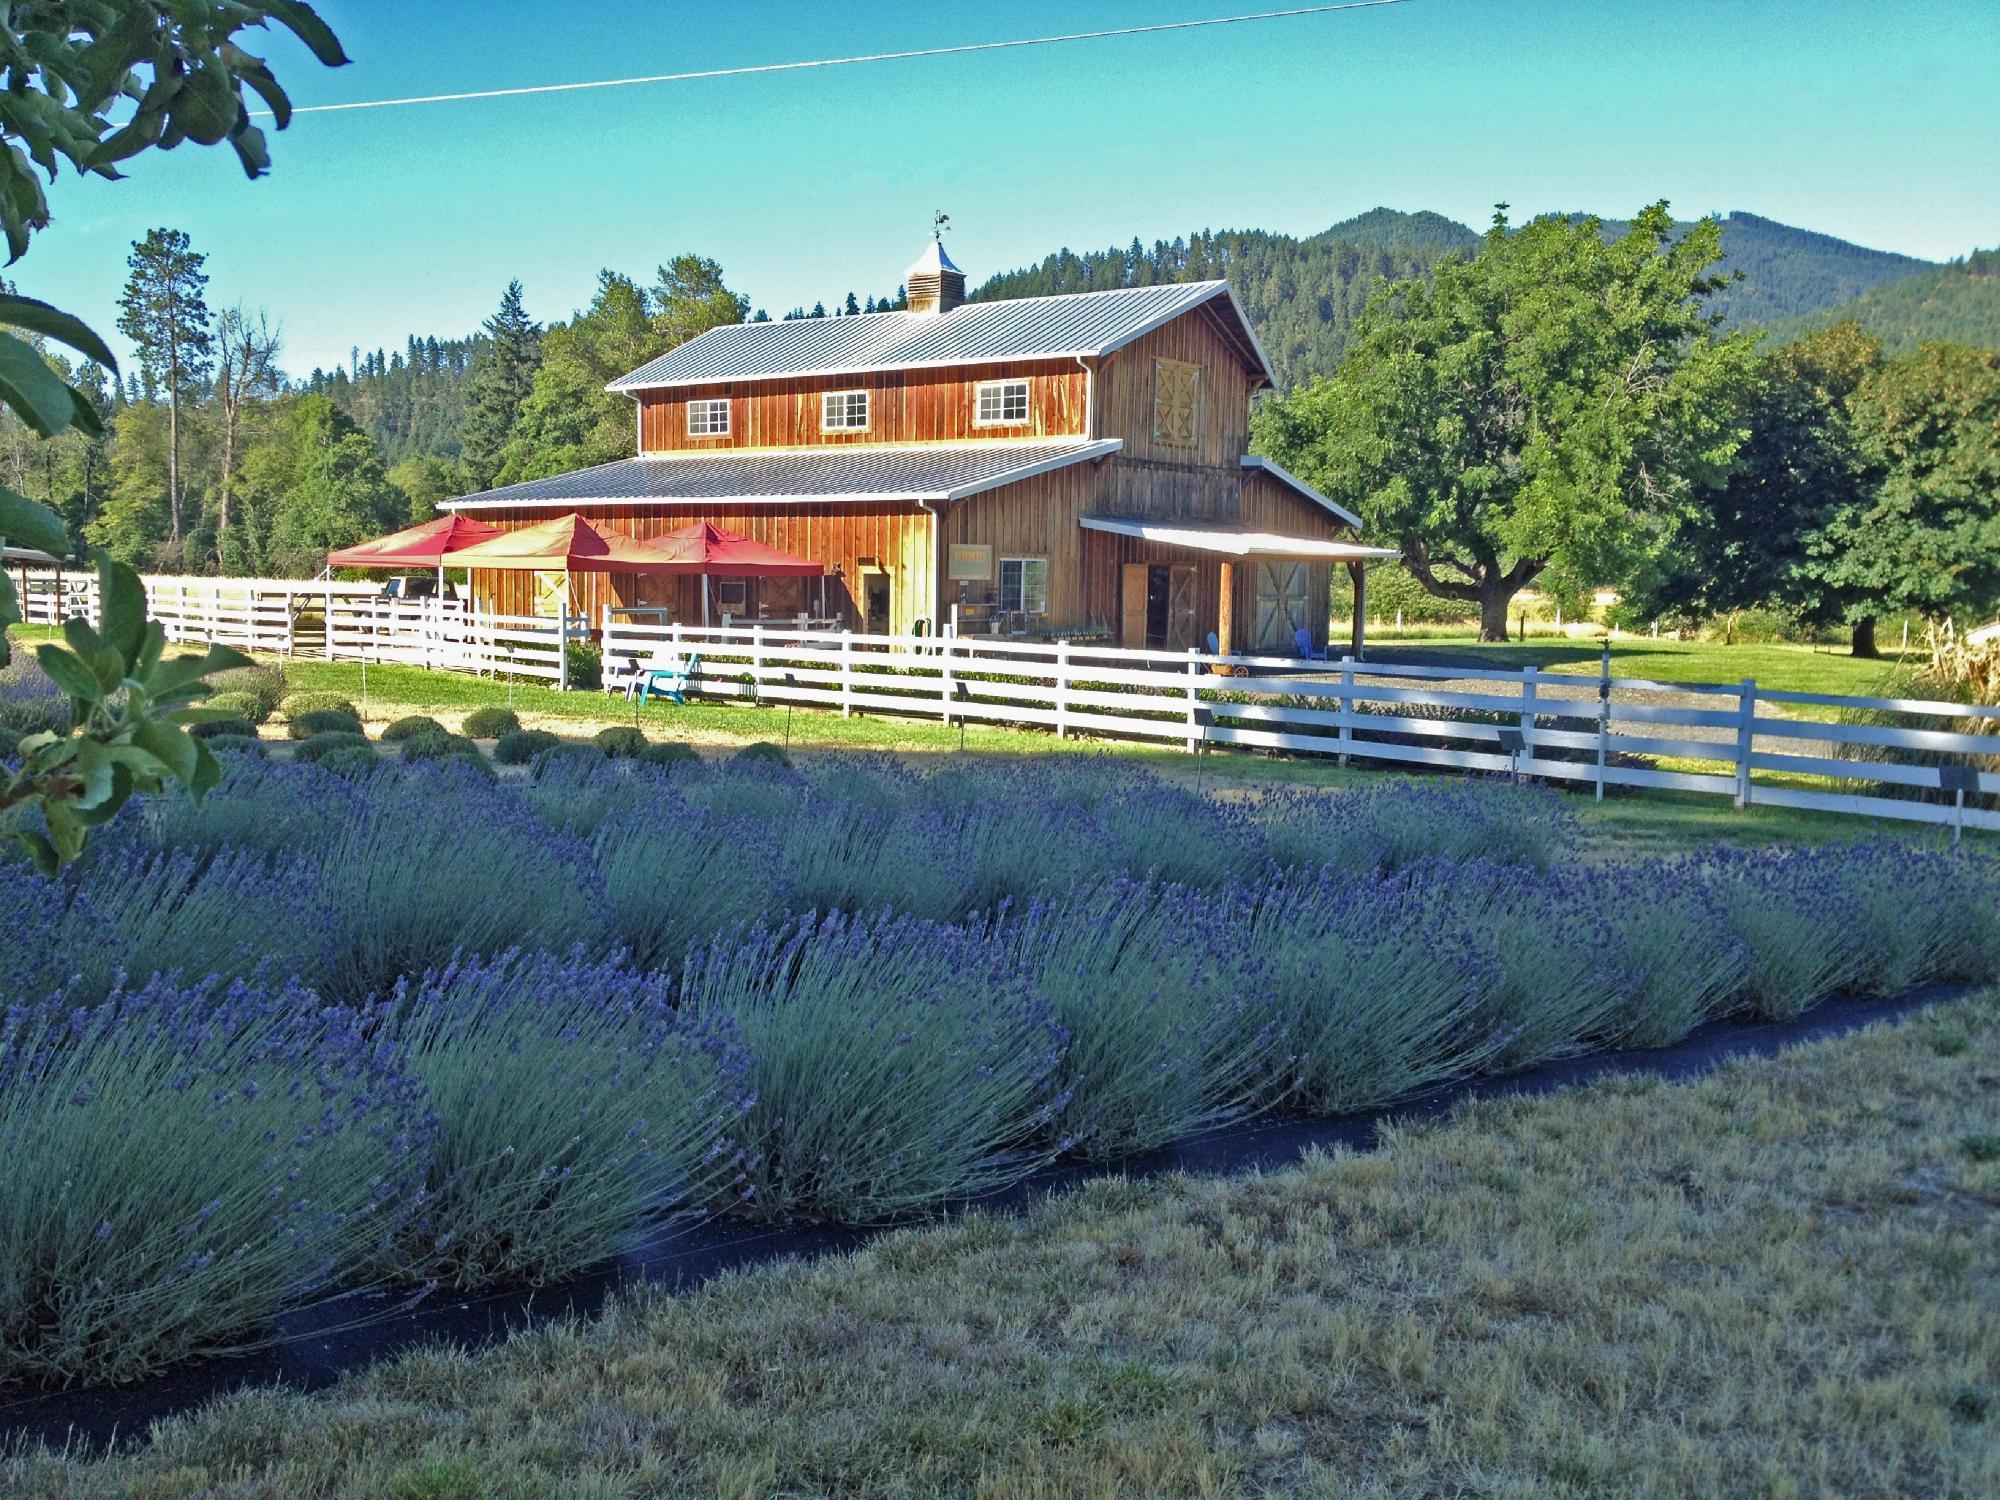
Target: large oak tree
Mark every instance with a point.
(1535, 412)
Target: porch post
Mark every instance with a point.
(1225, 615)
(1357, 645)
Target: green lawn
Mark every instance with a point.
(1801, 669)
(1774, 1283)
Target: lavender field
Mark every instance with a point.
(411, 1026)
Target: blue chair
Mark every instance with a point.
(669, 676)
(1302, 647)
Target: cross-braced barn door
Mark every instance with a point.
(1284, 605)
(1180, 608)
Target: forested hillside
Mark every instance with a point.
(1957, 303)
(410, 402)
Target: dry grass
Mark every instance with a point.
(1777, 1283)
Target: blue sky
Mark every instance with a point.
(1876, 122)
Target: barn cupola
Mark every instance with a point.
(935, 285)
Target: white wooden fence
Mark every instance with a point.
(1884, 757)
(1607, 731)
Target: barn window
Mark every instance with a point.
(1176, 401)
(1024, 585)
(1002, 403)
(843, 411)
(708, 418)
(732, 594)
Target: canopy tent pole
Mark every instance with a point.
(704, 601)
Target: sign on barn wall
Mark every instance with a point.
(969, 561)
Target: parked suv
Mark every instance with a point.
(417, 586)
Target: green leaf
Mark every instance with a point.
(52, 322)
(94, 769)
(122, 787)
(123, 599)
(150, 647)
(207, 771)
(27, 524)
(43, 853)
(10, 614)
(38, 395)
(304, 23)
(68, 672)
(173, 747)
(175, 677)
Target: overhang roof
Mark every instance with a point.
(1232, 540)
(1292, 481)
(1074, 325)
(912, 473)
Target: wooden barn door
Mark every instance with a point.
(1283, 608)
(1132, 606)
(1181, 623)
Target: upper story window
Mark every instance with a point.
(1176, 401)
(1001, 403)
(708, 419)
(843, 411)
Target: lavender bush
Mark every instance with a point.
(674, 876)
(1381, 829)
(181, 1165)
(264, 807)
(1682, 964)
(572, 1106)
(895, 1065)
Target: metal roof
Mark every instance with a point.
(1291, 480)
(1065, 327)
(1232, 540)
(932, 262)
(930, 471)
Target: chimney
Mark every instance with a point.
(934, 283)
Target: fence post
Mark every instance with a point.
(1529, 677)
(326, 620)
(1194, 677)
(1745, 738)
(1346, 709)
(1062, 690)
(846, 673)
(757, 660)
(947, 680)
(1603, 719)
(562, 645)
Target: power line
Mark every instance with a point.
(842, 62)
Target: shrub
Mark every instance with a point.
(573, 1105)
(491, 723)
(294, 704)
(574, 788)
(669, 754)
(233, 728)
(263, 681)
(329, 740)
(29, 702)
(353, 761)
(763, 751)
(523, 745)
(438, 744)
(236, 744)
(242, 705)
(410, 725)
(1168, 1030)
(1379, 830)
(586, 666)
(946, 1062)
(322, 721)
(620, 742)
(677, 876)
(266, 807)
(1683, 966)
(440, 861)
(183, 1165)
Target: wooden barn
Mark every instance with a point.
(1052, 466)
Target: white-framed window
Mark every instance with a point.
(1024, 585)
(1001, 403)
(708, 418)
(732, 594)
(843, 411)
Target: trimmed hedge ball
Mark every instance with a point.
(620, 742)
(321, 721)
(329, 740)
(263, 682)
(671, 753)
(490, 723)
(523, 745)
(248, 706)
(763, 752)
(236, 744)
(411, 725)
(436, 744)
(294, 704)
(236, 727)
(559, 755)
(352, 761)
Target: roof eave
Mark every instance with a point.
(1287, 477)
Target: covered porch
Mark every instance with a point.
(1181, 582)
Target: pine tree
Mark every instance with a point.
(164, 314)
(504, 374)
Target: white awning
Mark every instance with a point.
(1236, 541)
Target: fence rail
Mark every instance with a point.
(1907, 759)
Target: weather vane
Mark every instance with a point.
(940, 222)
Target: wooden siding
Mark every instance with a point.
(852, 538)
(1222, 421)
(905, 406)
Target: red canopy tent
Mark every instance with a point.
(717, 552)
(568, 544)
(422, 546)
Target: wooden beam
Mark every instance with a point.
(1225, 620)
(1357, 643)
